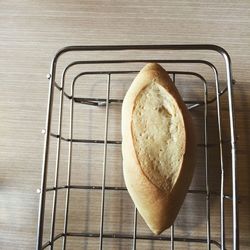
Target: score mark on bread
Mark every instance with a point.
(157, 128)
(158, 147)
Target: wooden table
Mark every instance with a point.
(31, 33)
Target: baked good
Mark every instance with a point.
(158, 147)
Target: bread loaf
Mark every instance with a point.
(158, 147)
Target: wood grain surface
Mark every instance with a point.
(30, 34)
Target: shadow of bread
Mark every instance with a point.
(196, 213)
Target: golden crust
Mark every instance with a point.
(158, 207)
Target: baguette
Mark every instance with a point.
(158, 147)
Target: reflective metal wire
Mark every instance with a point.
(69, 167)
(135, 229)
(206, 170)
(104, 162)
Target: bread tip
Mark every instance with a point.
(151, 65)
(157, 231)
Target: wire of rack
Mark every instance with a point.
(106, 102)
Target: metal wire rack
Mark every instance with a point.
(105, 103)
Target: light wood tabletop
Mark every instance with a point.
(30, 34)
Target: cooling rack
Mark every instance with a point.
(117, 63)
